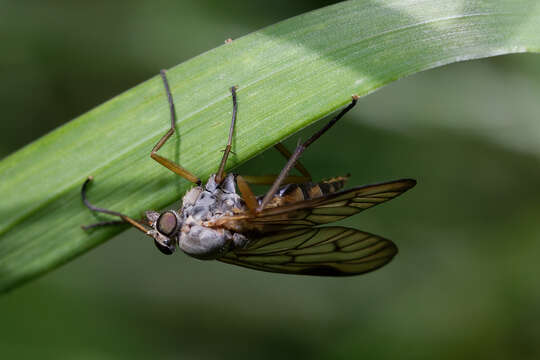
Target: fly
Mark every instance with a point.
(276, 232)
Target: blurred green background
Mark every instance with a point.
(464, 285)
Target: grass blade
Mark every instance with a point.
(289, 75)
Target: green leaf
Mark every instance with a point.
(289, 75)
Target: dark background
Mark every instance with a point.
(464, 285)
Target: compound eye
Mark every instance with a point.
(167, 250)
(167, 223)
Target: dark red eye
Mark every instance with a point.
(167, 223)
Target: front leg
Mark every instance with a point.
(171, 165)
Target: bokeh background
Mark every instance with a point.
(465, 284)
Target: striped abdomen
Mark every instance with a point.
(292, 193)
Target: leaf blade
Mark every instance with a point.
(289, 75)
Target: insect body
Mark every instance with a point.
(188, 229)
(276, 232)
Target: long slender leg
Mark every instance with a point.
(125, 218)
(220, 173)
(269, 179)
(249, 198)
(287, 154)
(291, 179)
(174, 167)
(247, 194)
(102, 223)
(299, 150)
(279, 147)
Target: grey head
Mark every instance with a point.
(165, 229)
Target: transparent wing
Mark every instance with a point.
(329, 251)
(329, 208)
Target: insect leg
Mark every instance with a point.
(247, 194)
(269, 179)
(102, 223)
(125, 218)
(174, 167)
(291, 179)
(299, 150)
(287, 154)
(220, 173)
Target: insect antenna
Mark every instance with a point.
(125, 218)
(298, 151)
(219, 174)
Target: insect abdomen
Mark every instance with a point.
(326, 187)
(292, 193)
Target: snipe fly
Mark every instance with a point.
(277, 232)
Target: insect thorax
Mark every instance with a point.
(208, 203)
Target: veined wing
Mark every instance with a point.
(329, 208)
(328, 251)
